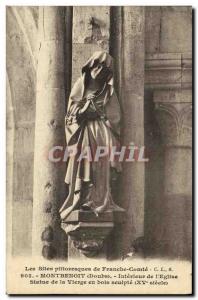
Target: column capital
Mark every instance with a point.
(174, 115)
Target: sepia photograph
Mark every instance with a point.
(99, 149)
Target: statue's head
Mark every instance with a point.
(99, 66)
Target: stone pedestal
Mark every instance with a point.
(88, 232)
(174, 115)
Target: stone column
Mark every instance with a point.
(89, 236)
(132, 100)
(48, 238)
(115, 45)
(174, 115)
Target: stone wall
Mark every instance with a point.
(168, 29)
(168, 130)
(21, 39)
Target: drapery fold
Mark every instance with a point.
(89, 181)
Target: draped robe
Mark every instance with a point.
(89, 181)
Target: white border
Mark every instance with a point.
(4, 3)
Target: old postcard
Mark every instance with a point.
(99, 149)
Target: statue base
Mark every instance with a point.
(88, 232)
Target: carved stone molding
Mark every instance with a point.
(89, 237)
(89, 248)
(88, 232)
(174, 115)
(168, 71)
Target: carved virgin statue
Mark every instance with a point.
(92, 122)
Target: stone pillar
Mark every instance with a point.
(115, 45)
(174, 115)
(86, 40)
(89, 236)
(132, 100)
(48, 238)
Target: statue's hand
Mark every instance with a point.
(89, 98)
